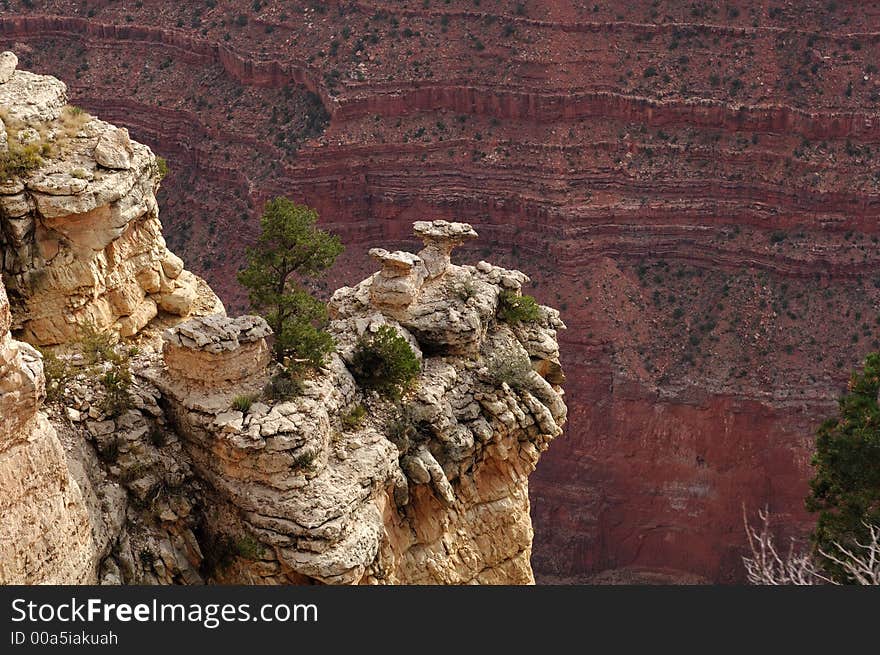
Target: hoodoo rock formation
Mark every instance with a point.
(433, 492)
(162, 456)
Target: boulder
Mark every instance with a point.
(113, 149)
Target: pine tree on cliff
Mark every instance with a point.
(290, 248)
(846, 488)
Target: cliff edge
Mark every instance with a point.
(181, 464)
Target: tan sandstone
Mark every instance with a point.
(194, 473)
(80, 233)
(45, 535)
(440, 499)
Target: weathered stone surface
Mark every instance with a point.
(440, 238)
(400, 279)
(45, 533)
(180, 300)
(8, 62)
(113, 149)
(81, 232)
(442, 498)
(324, 482)
(215, 352)
(31, 98)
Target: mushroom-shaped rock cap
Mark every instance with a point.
(443, 231)
(8, 63)
(440, 238)
(398, 261)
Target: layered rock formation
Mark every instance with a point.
(83, 252)
(164, 459)
(694, 180)
(339, 486)
(79, 224)
(45, 535)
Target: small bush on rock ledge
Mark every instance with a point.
(384, 362)
(304, 461)
(513, 308)
(161, 168)
(117, 397)
(354, 417)
(243, 403)
(58, 374)
(103, 360)
(98, 347)
(249, 548)
(282, 387)
(511, 367)
(19, 160)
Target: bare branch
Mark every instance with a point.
(767, 567)
(862, 564)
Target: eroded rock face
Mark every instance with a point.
(91, 491)
(45, 535)
(79, 224)
(169, 463)
(434, 492)
(8, 62)
(200, 476)
(215, 352)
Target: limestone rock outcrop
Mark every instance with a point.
(433, 491)
(45, 535)
(96, 487)
(214, 352)
(173, 450)
(79, 225)
(8, 62)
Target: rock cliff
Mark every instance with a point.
(79, 224)
(339, 486)
(44, 524)
(178, 465)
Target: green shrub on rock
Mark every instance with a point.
(384, 362)
(354, 417)
(243, 403)
(282, 387)
(514, 308)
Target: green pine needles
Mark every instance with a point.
(291, 248)
(846, 488)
